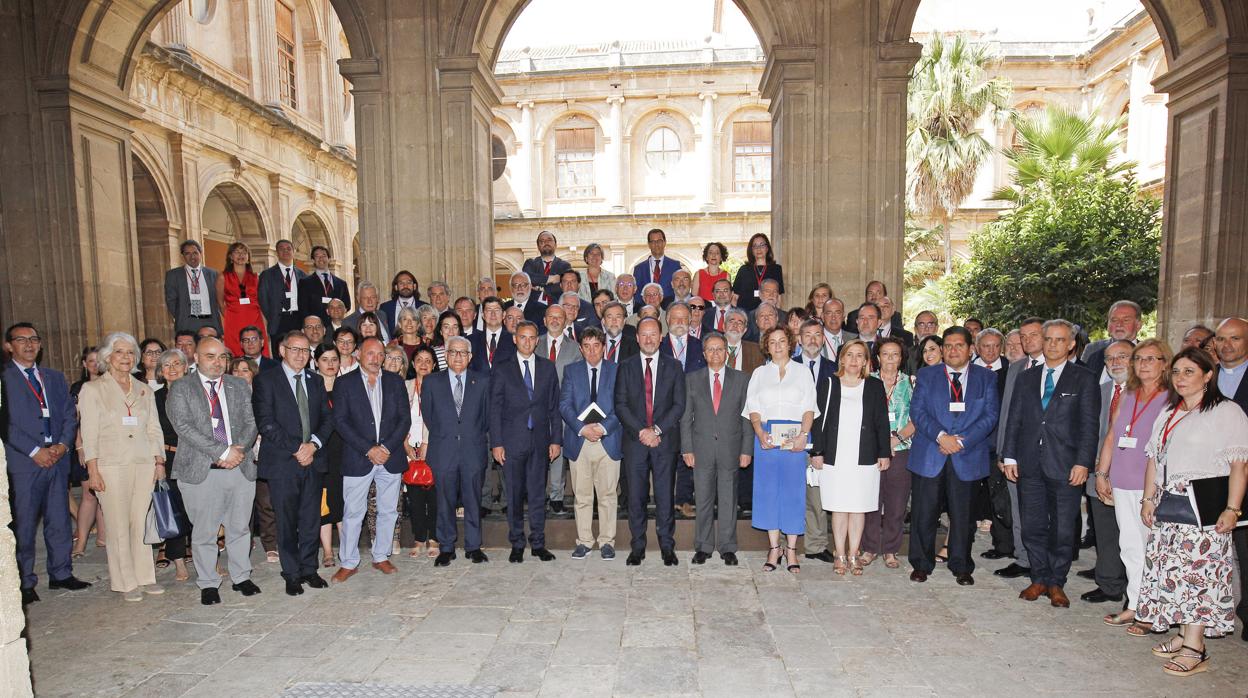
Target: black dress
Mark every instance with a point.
(174, 547)
(77, 471)
(748, 281)
(332, 481)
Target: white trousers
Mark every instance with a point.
(1132, 538)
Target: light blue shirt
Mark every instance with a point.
(1230, 378)
(290, 379)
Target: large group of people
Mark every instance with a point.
(283, 413)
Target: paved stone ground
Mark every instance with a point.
(572, 628)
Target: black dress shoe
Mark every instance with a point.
(314, 580)
(917, 576)
(209, 596)
(1089, 541)
(517, 555)
(824, 556)
(700, 558)
(1086, 574)
(1013, 571)
(556, 506)
(543, 554)
(669, 558)
(994, 554)
(444, 559)
(477, 556)
(29, 596)
(246, 588)
(729, 559)
(1098, 595)
(965, 579)
(294, 587)
(71, 583)
(635, 558)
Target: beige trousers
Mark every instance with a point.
(127, 495)
(595, 471)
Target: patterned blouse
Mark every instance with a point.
(899, 405)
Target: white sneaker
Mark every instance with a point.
(153, 589)
(133, 595)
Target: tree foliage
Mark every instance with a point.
(1061, 141)
(1077, 241)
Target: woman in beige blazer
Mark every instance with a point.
(123, 448)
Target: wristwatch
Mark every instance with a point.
(1238, 512)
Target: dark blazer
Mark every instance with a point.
(711, 316)
(511, 407)
(628, 346)
(930, 413)
(873, 436)
(391, 313)
(536, 269)
(311, 291)
(456, 440)
(1049, 441)
(534, 311)
(851, 321)
(669, 403)
(264, 363)
(277, 416)
(503, 352)
(272, 293)
(694, 358)
(1241, 394)
(826, 367)
(24, 420)
(905, 336)
(746, 283)
(1094, 356)
(353, 420)
(643, 275)
(178, 299)
(574, 398)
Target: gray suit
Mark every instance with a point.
(215, 497)
(1011, 377)
(1111, 574)
(569, 352)
(717, 441)
(178, 299)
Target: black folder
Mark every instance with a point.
(1208, 495)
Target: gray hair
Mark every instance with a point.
(769, 305)
(107, 347)
(458, 339)
(422, 311)
(522, 274)
(487, 280)
(569, 294)
(338, 301)
(1139, 312)
(647, 288)
(737, 312)
(991, 332)
(168, 356)
(677, 304)
(365, 285)
(1058, 322)
(590, 248)
(773, 282)
(407, 312)
(439, 284)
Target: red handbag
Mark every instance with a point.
(418, 474)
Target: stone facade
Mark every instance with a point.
(14, 665)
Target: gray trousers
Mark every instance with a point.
(1020, 551)
(1111, 574)
(224, 498)
(715, 483)
(816, 538)
(555, 489)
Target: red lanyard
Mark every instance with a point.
(1135, 417)
(43, 405)
(214, 396)
(760, 275)
(956, 391)
(193, 275)
(1165, 431)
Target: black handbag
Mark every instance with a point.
(1173, 508)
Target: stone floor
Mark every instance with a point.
(572, 628)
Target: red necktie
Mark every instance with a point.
(611, 351)
(325, 283)
(546, 271)
(649, 395)
(719, 324)
(656, 271)
(552, 349)
(717, 391)
(1113, 404)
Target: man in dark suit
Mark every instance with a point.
(688, 351)
(404, 293)
(525, 436)
(1231, 342)
(560, 351)
(191, 291)
(1110, 573)
(888, 329)
(456, 408)
(716, 443)
(570, 282)
(252, 342)
(1032, 340)
(573, 305)
(320, 287)
(715, 319)
(1050, 444)
(279, 293)
(40, 422)
(368, 300)
(1123, 323)
(657, 268)
(493, 345)
(373, 417)
(954, 411)
(621, 338)
(544, 269)
(522, 296)
(292, 413)
(989, 344)
(875, 291)
(649, 401)
(811, 356)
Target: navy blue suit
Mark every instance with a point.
(694, 359)
(536, 269)
(1046, 443)
(574, 398)
(353, 420)
(37, 492)
(525, 426)
(534, 311)
(294, 490)
(1241, 534)
(503, 352)
(457, 451)
(936, 474)
(644, 274)
(312, 290)
(823, 368)
(641, 461)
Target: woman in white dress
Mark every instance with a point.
(852, 404)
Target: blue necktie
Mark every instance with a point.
(43, 404)
(528, 385)
(1048, 388)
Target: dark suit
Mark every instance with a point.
(534, 311)
(536, 269)
(525, 422)
(390, 310)
(178, 300)
(643, 273)
(1094, 356)
(264, 363)
(998, 487)
(39, 493)
(717, 440)
(1046, 443)
(1240, 535)
(710, 318)
(312, 290)
(694, 360)
(641, 461)
(625, 345)
(457, 451)
(278, 316)
(482, 360)
(294, 489)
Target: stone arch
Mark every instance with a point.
(546, 135)
(230, 214)
(221, 173)
(157, 242)
(145, 152)
(307, 231)
(506, 204)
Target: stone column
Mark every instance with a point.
(265, 55)
(1204, 248)
(375, 152)
(279, 223)
(525, 167)
(617, 171)
(334, 106)
(174, 27)
(706, 151)
(14, 665)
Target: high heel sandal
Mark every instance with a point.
(793, 567)
(839, 564)
(1180, 669)
(866, 558)
(1169, 648)
(855, 566)
(770, 566)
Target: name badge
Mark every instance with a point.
(244, 301)
(325, 300)
(291, 294)
(957, 407)
(215, 422)
(43, 412)
(757, 293)
(1126, 442)
(129, 421)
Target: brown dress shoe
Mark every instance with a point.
(1033, 592)
(385, 566)
(1057, 597)
(342, 575)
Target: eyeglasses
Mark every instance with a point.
(1148, 359)
(152, 352)
(33, 339)
(457, 352)
(298, 350)
(249, 340)
(697, 307)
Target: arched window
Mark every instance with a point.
(202, 10)
(574, 162)
(498, 158)
(751, 156)
(662, 150)
(287, 83)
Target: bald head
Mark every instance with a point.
(1231, 341)
(211, 357)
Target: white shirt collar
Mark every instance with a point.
(1233, 371)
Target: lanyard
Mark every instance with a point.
(1135, 417)
(43, 405)
(955, 391)
(193, 276)
(1165, 431)
(760, 275)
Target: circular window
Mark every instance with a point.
(662, 150)
(202, 10)
(498, 157)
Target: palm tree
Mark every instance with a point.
(1061, 140)
(949, 92)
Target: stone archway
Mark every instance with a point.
(229, 215)
(308, 231)
(156, 242)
